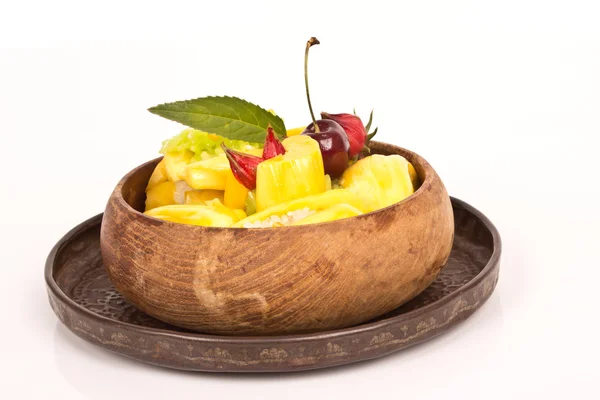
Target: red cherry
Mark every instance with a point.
(334, 145)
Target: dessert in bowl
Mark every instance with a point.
(249, 281)
(318, 228)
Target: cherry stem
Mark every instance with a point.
(312, 41)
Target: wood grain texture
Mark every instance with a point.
(277, 280)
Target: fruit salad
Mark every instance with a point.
(237, 166)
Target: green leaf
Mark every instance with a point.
(226, 116)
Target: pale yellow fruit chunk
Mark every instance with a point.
(295, 131)
(235, 192)
(327, 182)
(212, 213)
(297, 173)
(315, 202)
(176, 163)
(380, 180)
(159, 175)
(161, 194)
(338, 211)
(208, 174)
(414, 177)
(201, 196)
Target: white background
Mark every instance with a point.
(503, 98)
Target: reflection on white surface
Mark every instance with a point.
(99, 374)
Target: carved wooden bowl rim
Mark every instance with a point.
(274, 339)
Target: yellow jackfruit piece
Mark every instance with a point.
(208, 174)
(295, 131)
(338, 211)
(212, 213)
(414, 177)
(201, 196)
(327, 182)
(159, 175)
(161, 194)
(235, 192)
(315, 202)
(380, 180)
(176, 163)
(297, 173)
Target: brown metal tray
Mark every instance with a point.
(84, 299)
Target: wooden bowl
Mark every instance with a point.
(284, 280)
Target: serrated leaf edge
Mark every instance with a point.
(278, 120)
